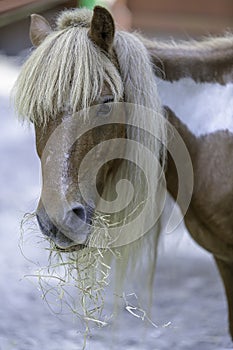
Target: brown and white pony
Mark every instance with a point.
(85, 62)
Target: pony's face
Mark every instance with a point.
(68, 223)
(65, 88)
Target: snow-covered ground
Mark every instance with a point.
(187, 291)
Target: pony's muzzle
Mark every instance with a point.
(70, 229)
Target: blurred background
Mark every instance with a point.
(189, 303)
(180, 18)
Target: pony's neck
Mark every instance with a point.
(191, 143)
(209, 60)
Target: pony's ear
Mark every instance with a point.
(102, 28)
(39, 29)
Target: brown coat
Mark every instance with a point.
(209, 218)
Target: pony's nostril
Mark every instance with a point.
(80, 212)
(66, 232)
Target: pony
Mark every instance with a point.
(85, 67)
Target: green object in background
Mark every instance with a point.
(91, 3)
(87, 3)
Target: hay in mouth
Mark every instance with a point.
(76, 277)
(77, 281)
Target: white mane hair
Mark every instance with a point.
(67, 72)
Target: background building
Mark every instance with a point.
(15, 20)
(182, 17)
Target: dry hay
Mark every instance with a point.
(77, 281)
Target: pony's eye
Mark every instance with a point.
(104, 109)
(108, 99)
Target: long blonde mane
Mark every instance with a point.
(67, 71)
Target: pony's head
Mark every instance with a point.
(73, 78)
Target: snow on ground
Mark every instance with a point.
(204, 107)
(187, 289)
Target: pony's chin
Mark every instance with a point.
(66, 245)
(71, 249)
(59, 240)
